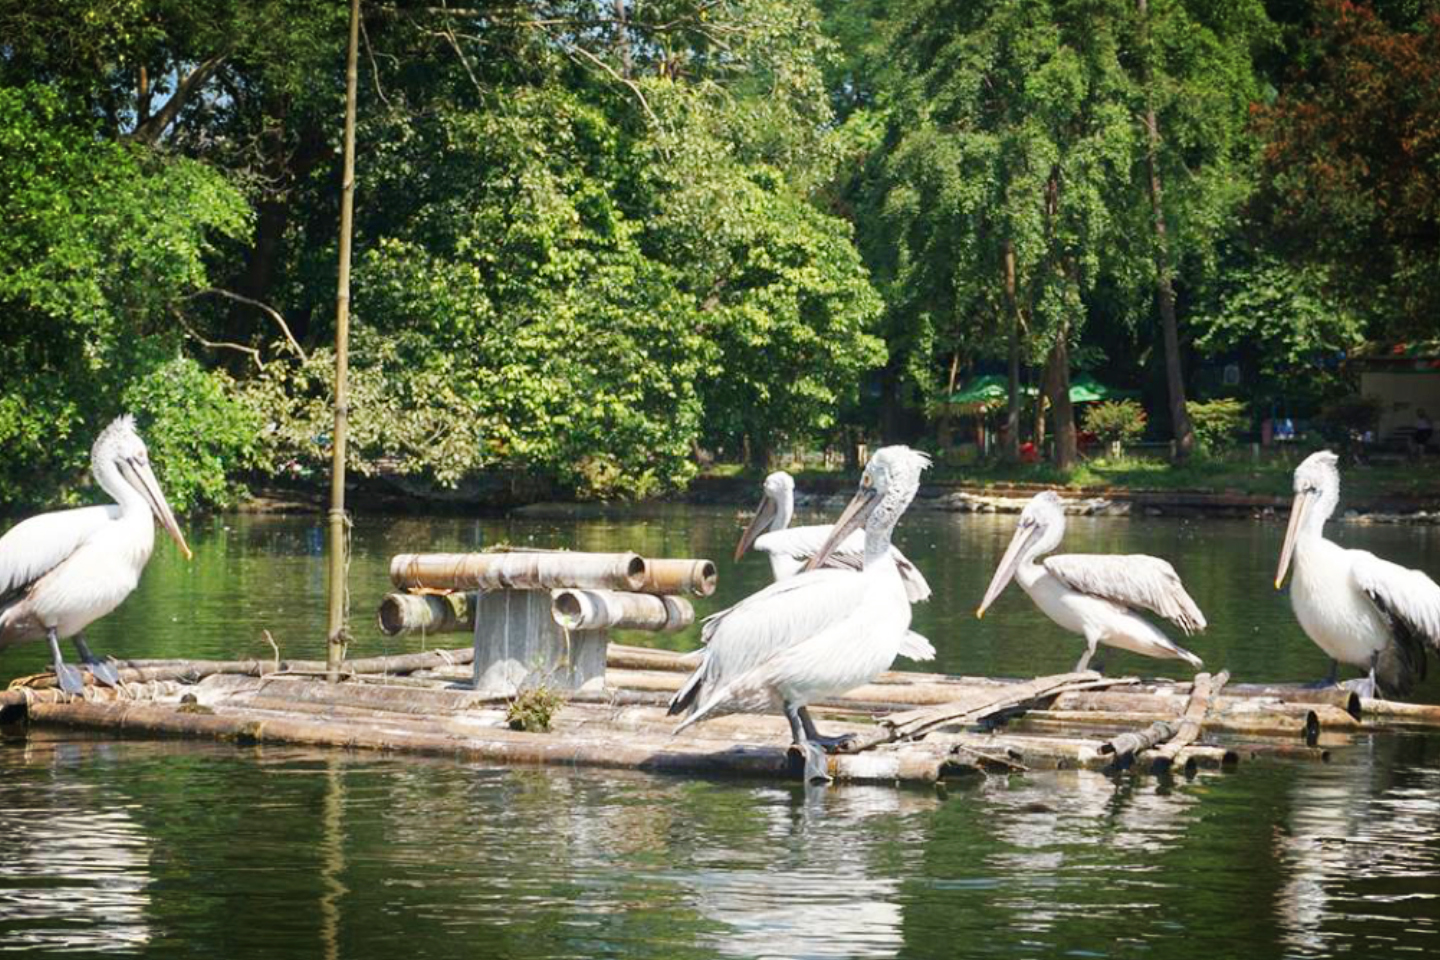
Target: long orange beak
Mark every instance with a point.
(1298, 509)
(1008, 565)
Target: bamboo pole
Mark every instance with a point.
(576, 609)
(517, 571)
(672, 576)
(426, 613)
(339, 559)
(1203, 693)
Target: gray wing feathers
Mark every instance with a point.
(1406, 595)
(1132, 580)
(34, 547)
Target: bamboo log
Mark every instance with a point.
(577, 609)
(517, 571)
(1202, 694)
(675, 576)
(1301, 726)
(427, 613)
(912, 762)
(1123, 746)
(1393, 710)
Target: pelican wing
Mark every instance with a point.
(765, 623)
(916, 647)
(1132, 580)
(802, 543)
(34, 547)
(1409, 599)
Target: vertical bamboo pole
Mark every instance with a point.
(336, 635)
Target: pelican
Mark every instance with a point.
(789, 548)
(1361, 610)
(61, 571)
(1092, 594)
(818, 633)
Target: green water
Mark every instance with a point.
(183, 850)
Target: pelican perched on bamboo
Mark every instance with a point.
(820, 632)
(790, 548)
(1361, 610)
(1095, 595)
(62, 571)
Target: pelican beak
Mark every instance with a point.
(1297, 517)
(760, 523)
(1008, 565)
(855, 514)
(141, 478)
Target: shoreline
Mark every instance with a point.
(831, 493)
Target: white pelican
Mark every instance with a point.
(789, 548)
(1095, 595)
(61, 571)
(1361, 610)
(819, 633)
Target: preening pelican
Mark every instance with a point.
(790, 548)
(819, 633)
(1361, 610)
(1095, 595)
(61, 571)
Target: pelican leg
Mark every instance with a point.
(828, 744)
(816, 769)
(1332, 679)
(67, 676)
(102, 670)
(1084, 661)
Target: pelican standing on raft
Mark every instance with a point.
(62, 571)
(790, 548)
(1361, 610)
(818, 633)
(1095, 595)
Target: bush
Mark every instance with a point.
(1116, 421)
(1216, 421)
(198, 433)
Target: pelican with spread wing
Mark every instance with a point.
(61, 571)
(820, 632)
(1095, 595)
(1361, 610)
(790, 548)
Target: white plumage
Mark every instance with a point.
(818, 633)
(61, 571)
(790, 548)
(1361, 610)
(1095, 595)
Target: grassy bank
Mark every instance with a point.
(1272, 476)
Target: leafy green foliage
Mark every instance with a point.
(1116, 421)
(101, 242)
(1217, 421)
(199, 434)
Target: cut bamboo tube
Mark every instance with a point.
(517, 571)
(1393, 710)
(674, 576)
(576, 609)
(427, 613)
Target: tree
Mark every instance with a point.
(1351, 162)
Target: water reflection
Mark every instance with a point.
(1362, 849)
(75, 860)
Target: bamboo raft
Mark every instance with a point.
(907, 726)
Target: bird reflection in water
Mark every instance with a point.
(76, 867)
(808, 888)
(1363, 836)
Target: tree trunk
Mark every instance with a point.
(1012, 401)
(1164, 289)
(1057, 388)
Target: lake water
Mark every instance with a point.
(175, 849)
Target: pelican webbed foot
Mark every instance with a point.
(1330, 680)
(817, 768)
(102, 670)
(69, 678)
(828, 744)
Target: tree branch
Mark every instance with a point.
(151, 129)
(268, 310)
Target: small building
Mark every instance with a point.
(1404, 377)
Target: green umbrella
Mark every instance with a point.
(1086, 389)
